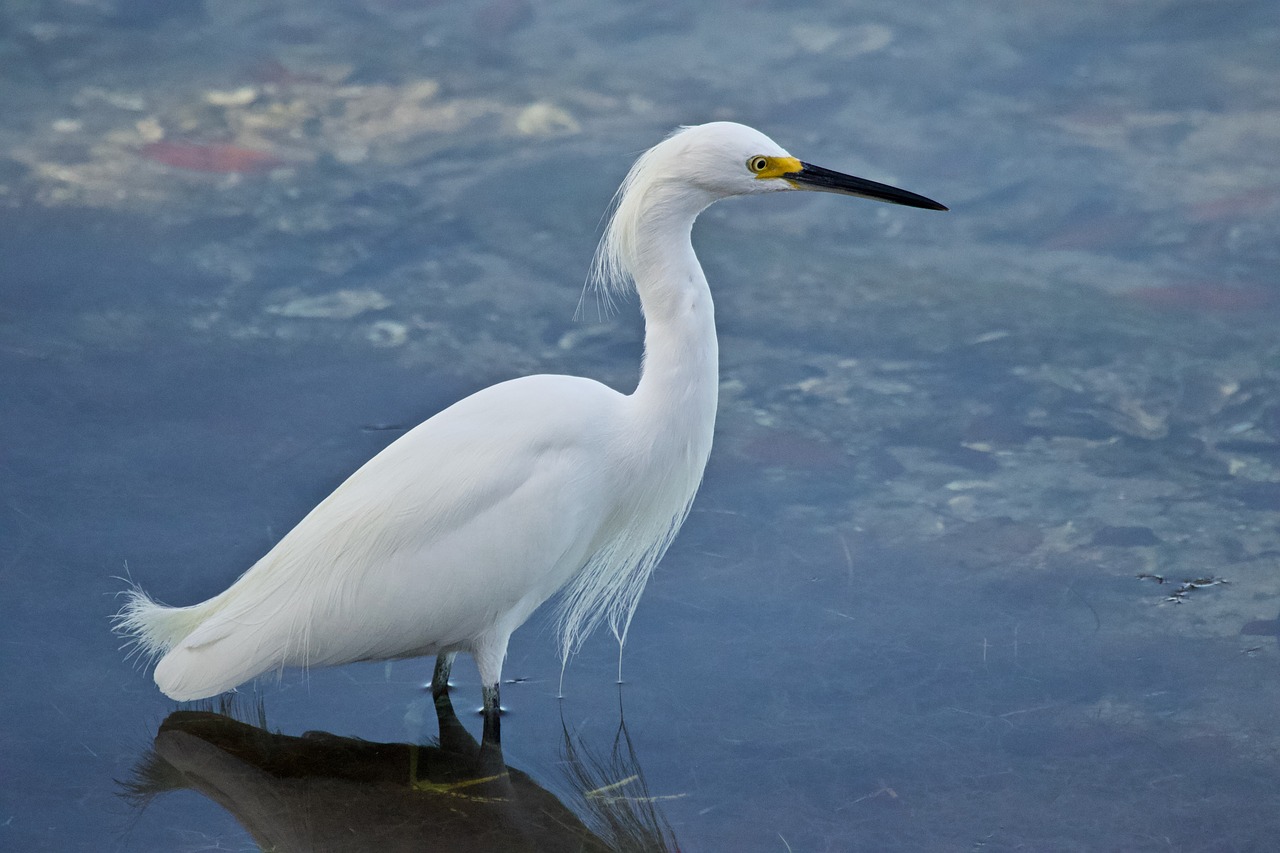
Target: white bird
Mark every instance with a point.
(452, 536)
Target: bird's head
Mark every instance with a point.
(728, 159)
(696, 166)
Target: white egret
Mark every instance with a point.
(452, 536)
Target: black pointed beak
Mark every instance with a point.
(812, 177)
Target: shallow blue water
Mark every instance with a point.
(906, 612)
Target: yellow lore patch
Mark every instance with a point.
(773, 167)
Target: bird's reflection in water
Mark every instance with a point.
(322, 793)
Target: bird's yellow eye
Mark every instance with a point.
(757, 164)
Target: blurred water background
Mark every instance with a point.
(987, 556)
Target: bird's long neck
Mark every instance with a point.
(679, 383)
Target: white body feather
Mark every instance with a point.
(449, 538)
(446, 540)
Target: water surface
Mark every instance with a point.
(935, 593)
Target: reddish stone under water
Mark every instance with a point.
(1207, 296)
(1247, 203)
(211, 157)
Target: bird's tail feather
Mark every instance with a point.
(153, 628)
(207, 648)
(197, 671)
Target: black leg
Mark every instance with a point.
(492, 710)
(491, 760)
(440, 678)
(454, 737)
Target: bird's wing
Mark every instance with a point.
(512, 475)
